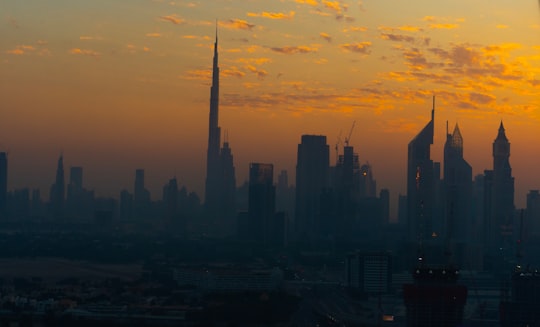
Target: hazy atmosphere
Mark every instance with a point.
(120, 85)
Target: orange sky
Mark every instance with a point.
(120, 85)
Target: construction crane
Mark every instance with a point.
(338, 142)
(347, 139)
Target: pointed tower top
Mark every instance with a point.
(433, 110)
(501, 135)
(501, 126)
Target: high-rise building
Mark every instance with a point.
(57, 194)
(312, 177)
(501, 212)
(141, 196)
(170, 198)
(262, 202)
(3, 184)
(220, 186)
(532, 218)
(457, 189)
(368, 186)
(213, 171)
(420, 184)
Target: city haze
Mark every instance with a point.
(123, 85)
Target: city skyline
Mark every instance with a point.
(345, 62)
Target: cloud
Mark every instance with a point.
(409, 28)
(447, 26)
(294, 49)
(335, 6)
(232, 72)
(272, 15)
(198, 74)
(256, 61)
(173, 19)
(355, 29)
(397, 37)
(326, 36)
(153, 34)
(84, 52)
(21, 50)
(237, 24)
(501, 26)
(481, 98)
(261, 73)
(24, 49)
(313, 3)
(90, 38)
(360, 47)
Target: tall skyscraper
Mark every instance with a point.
(262, 202)
(502, 197)
(213, 171)
(3, 184)
(457, 189)
(57, 194)
(220, 186)
(420, 184)
(312, 177)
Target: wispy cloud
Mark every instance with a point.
(24, 49)
(359, 47)
(326, 36)
(153, 34)
(447, 26)
(272, 15)
(90, 38)
(238, 24)
(173, 19)
(84, 52)
(294, 49)
(397, 37)
(313, 3)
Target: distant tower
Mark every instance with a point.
(212, 190)
(312, 177)
(502, 197)
(368, 186)
(57, 195)
(3, 183)
(75, 192)
(262, 202)
(141, 196)
(420, 184)
(458, 188)
(228, 187)
(219, 198)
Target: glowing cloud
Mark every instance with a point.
(238, 24)
(326, 36)
(294, 49)
(447, 26)
(360, 47)
(272, 15)
(173, 19)
(153, 34)
(84, 52)
(313, 3)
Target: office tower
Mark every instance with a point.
(170, 198)
(420, 184)
(346, 185)
(457, 189)
(312, 177)
(220, 186)
(76, 177)
(502, 194)
(57, 194)
(227, 204)
(532, 217)
(369, 273)
(3, 184)
(261, 208)
(368, 186)
(384, 197)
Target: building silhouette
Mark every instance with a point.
(78, 200)
(421, 184)
(262, 202)
(532, 213)
(220, 186)
(3, 183)
(57, 194)
(312, 177)
(457, 189)
(499, 188)
(141, 196)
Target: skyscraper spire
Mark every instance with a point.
(214, 136)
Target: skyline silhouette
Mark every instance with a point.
(283, 75)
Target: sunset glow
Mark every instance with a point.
(119, 85)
